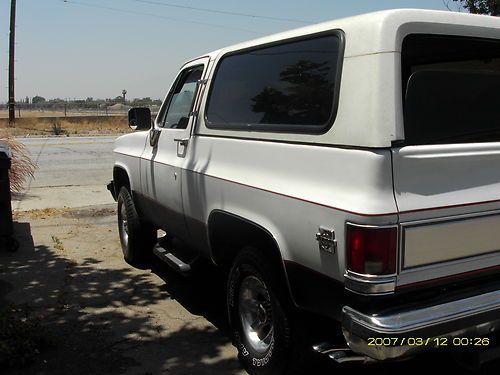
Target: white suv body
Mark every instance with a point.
(240, 165)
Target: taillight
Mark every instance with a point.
(371, 250)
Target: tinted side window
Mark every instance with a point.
(286, 87)
(451, 87)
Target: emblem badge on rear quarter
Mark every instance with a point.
(326, 240)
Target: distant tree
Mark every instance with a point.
(38, 100)
(147, 101)
(491, 7)
(27, 101)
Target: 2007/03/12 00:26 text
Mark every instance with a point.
(430, 341)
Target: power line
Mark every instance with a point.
(88, 5)
(221, 11)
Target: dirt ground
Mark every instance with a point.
(103, 316)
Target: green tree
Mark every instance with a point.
(491, 7)
(38, 100)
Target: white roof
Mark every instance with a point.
(373, 44)
(376, 32)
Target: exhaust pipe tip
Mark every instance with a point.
(341, 354)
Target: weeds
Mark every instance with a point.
(58, 245)
(57, 129)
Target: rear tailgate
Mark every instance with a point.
(447, 174)
(449, 202)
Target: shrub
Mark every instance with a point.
(22, 167)
(57, 128)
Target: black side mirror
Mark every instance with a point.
(139, 118)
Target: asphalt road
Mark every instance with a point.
(72, 172)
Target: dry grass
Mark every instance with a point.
(22, 166)
(45, 213)
(80, 125)
(58, 245)
(40, 213)
(4, 114)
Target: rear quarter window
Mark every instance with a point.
(291, 86)
(451, 89)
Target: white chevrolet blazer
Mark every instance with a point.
(349, 170)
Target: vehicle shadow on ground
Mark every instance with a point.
(87, 311)
(202, 293)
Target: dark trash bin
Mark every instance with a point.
(6, 223)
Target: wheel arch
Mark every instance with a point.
(121, 177)
(228, 233)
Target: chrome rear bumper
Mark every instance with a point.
(402, 334)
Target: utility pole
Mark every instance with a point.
(12, 47)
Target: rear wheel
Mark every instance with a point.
(260, 316)
(137, 238)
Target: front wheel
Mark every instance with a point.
(260, 315)
(137, 238)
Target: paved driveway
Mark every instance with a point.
(72, 172)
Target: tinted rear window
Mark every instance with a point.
(285, 87)
(452, 90)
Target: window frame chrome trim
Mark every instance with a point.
(284, 128)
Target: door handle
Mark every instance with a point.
(182, 141)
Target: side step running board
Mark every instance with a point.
(174, 262)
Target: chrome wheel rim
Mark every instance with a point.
(123, 225)
(255, 312)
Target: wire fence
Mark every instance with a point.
(67, 110)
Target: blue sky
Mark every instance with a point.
(73, 50)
